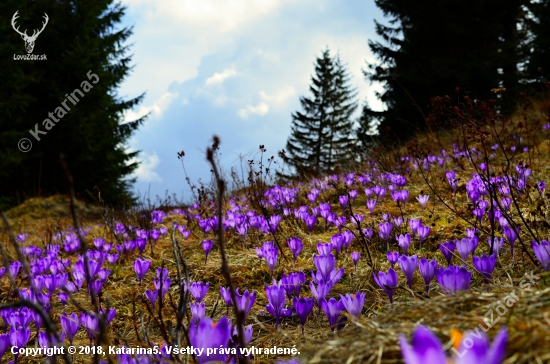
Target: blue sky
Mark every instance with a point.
(235, 68)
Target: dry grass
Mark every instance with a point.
(375, 338)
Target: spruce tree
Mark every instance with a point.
(537, 66)
(320, 135)
(432, 47)
(83, 43)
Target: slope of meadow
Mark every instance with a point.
(485, 180)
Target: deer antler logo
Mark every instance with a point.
(29, 41)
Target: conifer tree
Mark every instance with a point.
(83, 42)
(537, 66)
(432, 47)
(320, 135)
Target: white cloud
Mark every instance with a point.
(220, 77)
(261, 109)
(156, 110)
(284, 94)
(145, 170)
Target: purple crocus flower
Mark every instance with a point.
(447, 249)
(152, 296)
(226, 296)
(497, 244)
(354, 303)
(387, 281)
(141, 266)
(392, 257)
(340, 222)
(482, 351)
(325, 248)
(4, 344)
(19, 337)
(332, 309)
(303, 307)
(423, 232)
(368, 233)
(371, 205)
(199, 290)
(466, 246)
(423, 200)
(344, 200)
(404, 241)
(112, 258)
(398, 221)
(259, 253)
(427, 270)
(348, 237)
(63, 298)
(210, 334)
(355, 256)
(293, 283)
(426, 348)
(90, 324)
(408, 266)
(333, 278)
(384, 233)
(207, 247)
(485, 265)
(322, 290)
(162, 283)
(453, 279)
(356, 219)
(511, 235)
(310, 221)
(296, 246)
(270, 256)
(325, 265)
(198, 311)
(337, 241)
(70, 325)
(21, 237)
(542, 252)
(414, 224)
(471, 232)
(277, 298)
(245, 301)
(353, 194)
(14, 268)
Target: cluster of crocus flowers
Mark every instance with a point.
(474, 348)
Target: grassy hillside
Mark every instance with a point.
(484, 160)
